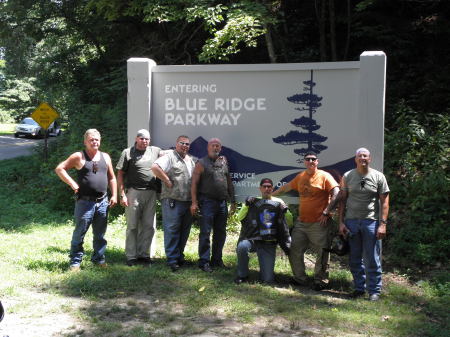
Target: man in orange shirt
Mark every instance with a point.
(318, 197)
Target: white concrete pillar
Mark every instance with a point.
(139, 73)
(139, 96)
(372, 103)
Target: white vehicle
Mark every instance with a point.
(29, 127)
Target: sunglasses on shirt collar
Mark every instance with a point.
(94, 166)
(363, 183)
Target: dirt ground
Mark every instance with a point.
(133, 313)
(50, 315)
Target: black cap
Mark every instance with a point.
(265, 180)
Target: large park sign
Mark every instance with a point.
(267, 115)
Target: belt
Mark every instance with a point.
(140, 188)
(91, 198)
(202, 195)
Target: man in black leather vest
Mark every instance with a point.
(211, 189)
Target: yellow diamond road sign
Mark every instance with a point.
(44, 115)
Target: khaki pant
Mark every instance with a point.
(310, 235)
(141, 224)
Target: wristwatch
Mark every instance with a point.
(383, 221)
(325, 213)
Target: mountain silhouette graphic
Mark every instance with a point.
(237, 162)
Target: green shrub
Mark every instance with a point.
(5, 117)
(416, 165)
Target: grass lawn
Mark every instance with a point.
(43, 299)
(7, 129)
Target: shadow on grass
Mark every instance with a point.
(115, 256)
(52, 266)
(200, 296)
(25, 220)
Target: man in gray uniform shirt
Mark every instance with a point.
(137, 190)
(363, 212)
(175, 171)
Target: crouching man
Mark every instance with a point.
(264, 225)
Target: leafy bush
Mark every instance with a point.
(417, 153)
(17, 99)
(5, 117)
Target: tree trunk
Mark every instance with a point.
(269, 44)
(332, 16)
(285, 32)
(349, 21)
(268, 35)
(321, 18)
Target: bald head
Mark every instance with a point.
(214, 148)
(362, 150)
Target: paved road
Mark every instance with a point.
(11, 147)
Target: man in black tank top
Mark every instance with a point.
(94, 173)
(210, 190)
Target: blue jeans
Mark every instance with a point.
(266, 257)
(365, 255)
(177, 223)
(87, 213)
(214, 217)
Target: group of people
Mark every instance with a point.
(187, 189)
(203, 189)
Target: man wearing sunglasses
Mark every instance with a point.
(363, 211)
(211, 189)
(175, 171)
(318, 192)
(137, 189)
(265, 224)
(94, 173)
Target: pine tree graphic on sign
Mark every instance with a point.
(308, 102)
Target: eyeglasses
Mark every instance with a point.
(266, 186)
(94, 166)
(310, 159)
(183, 143)
(142, 138)
(363, 183)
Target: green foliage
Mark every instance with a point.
(5, 117)
(417, 152)
(17, 99)
(233, 24)
(233, 224)
(361, 6)
(243, 25)
(439, 286)
(211, 15)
